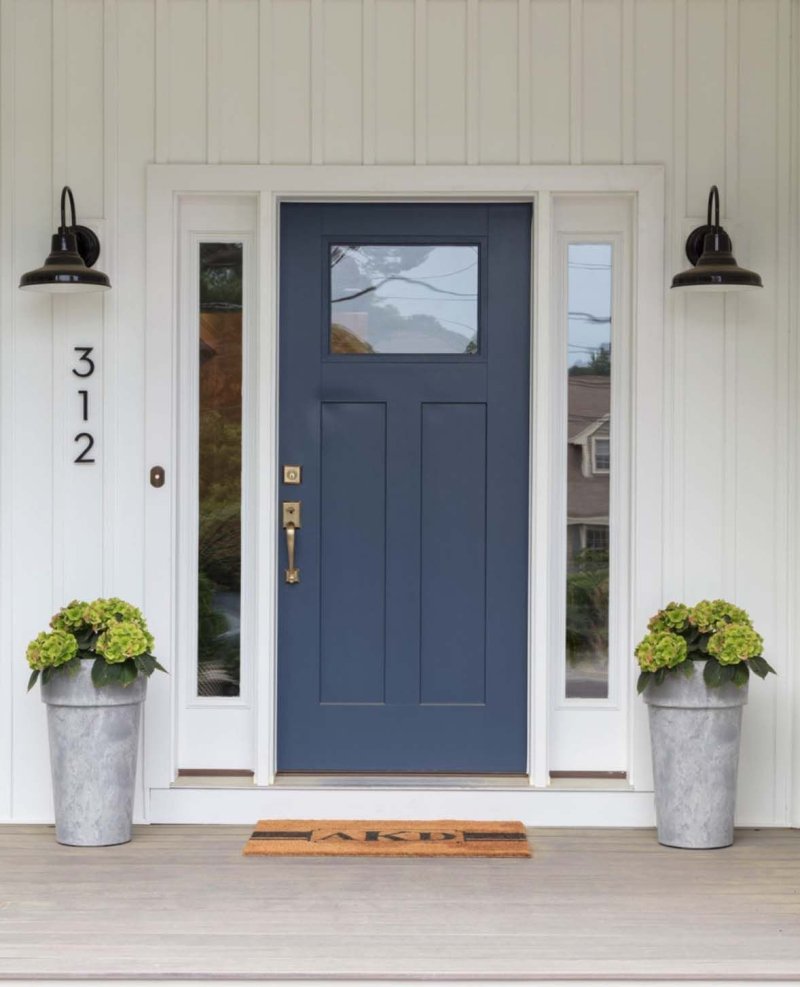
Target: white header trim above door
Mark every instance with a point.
(274, 183)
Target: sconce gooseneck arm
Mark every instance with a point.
(713, 198)
(67, 191)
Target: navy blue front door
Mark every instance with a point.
(404, 379)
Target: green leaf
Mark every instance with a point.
(159, 666)
(33, 679)
(712, 675)
(115, 674)
(644, 678)
(686, 668)
(128, 672)
(100, 672)
(73, 666)
(741, 673)
(660, 675)
(47, 674)
(146, 664)
(761, 666)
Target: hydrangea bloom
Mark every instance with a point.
(123, 639)
(734, 643)
(674, 617)
(710, 615)
(51, 650)
(660, 649)
(70, 617)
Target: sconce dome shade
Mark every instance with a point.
(73, 252)
(710, 251)
(716, 268)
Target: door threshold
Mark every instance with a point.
(415, 781)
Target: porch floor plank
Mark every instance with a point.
(182, 901)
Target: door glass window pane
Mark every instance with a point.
(220, 469)
(404, 298)
(588, 469)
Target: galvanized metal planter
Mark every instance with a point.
(695, 733)
(94, 741)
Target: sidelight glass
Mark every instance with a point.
(403, 298)
(220, 470)
(589, 296)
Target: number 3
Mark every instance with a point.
(84, 358)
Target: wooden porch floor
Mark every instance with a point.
(181, 901)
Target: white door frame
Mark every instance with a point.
(273, 183)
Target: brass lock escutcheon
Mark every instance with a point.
(290, 517)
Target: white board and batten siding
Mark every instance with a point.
(92, 91)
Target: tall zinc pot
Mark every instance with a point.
(695, 734)
(93, 663)
(94, 741)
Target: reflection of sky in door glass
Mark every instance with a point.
(589, 300)
(404, 298)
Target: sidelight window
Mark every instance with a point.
(220, 470)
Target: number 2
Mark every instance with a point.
(81, 457)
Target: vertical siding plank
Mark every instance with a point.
(188, 86)
(499, 82)
(213, 81)
(317, 69)
(368, 77)
(446, 74)
(628, 91)
(8, 293)
(421, 81)
(472, 82)
(576, 81)
(80, 520)
(601, 82)
(757, 441)
(112, 520)
(394, 106)
(264, 81)
(653, 83)
(675, 503)
(784, 501)
(341, 83)
(237, 85)
(550, 83)
(32, 453)
(523, 81)
(290, 103)
(161, 30)
(705, 102)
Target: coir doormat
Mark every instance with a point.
(393, 838)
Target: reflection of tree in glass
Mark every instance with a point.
(599, 364)
(220, 276)
(587, 606)
(220, 465)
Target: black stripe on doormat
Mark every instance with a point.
(476, 837)
(278, 834)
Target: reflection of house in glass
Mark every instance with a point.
(588, 464)
(588, 468)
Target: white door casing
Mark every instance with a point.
(171, 190)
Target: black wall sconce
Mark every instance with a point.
(73, 253)
(710, 251)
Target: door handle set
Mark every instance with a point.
(290, 517)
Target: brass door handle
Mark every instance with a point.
(291, 522)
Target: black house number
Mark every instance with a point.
(84, 368)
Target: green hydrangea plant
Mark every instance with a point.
(713, 631)
(109, 631)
